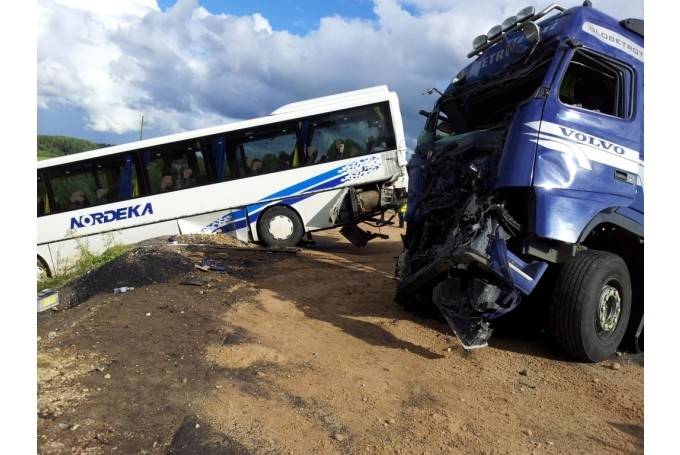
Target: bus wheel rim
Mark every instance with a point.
(281, 227)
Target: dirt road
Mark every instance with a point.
(308, 353)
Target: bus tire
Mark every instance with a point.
(590, 305)
(279, 226)
(43, 270)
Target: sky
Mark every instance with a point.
(188, 64)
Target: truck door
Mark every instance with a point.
(590, 136)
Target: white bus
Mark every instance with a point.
(311, 165)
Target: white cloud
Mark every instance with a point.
(187, 68)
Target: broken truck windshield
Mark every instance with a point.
(491, 102)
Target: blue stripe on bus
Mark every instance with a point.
(304, 184)
(253, 211)
(232, 226)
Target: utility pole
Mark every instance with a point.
(141, 129)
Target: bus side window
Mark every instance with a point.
(349, 133)
(176, 166)
(266, 149)
(94, 182)
(43, 200)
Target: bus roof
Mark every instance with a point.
(286, 112)
(328, 101)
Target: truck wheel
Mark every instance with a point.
(590, 305)
(280, 226)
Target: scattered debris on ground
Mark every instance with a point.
(211, 239)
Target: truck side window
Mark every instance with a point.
(596, 85)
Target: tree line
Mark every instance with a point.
(53, 146)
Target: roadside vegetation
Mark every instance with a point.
(86, 262)
(53, 146)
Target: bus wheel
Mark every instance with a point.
(280, 226)
(591, 304)
(43, 272)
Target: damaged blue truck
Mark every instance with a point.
(527, 183)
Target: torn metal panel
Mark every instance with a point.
(456, 247)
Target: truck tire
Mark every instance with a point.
(590, 305)
(279, 226)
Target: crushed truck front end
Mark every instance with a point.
(531, 165)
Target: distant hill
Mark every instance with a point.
(53, 146)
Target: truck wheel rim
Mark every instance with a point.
(608, 310)
(281, 227)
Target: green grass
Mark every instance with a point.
(86, 262)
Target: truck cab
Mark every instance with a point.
(530, 168)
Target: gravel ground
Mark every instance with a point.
(307, 353)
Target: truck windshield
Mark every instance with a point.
(491, 102)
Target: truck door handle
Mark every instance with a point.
(624, 176)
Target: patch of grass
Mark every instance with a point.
(52, 282)
(86, 262)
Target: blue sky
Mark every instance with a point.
(188, 64)
(297, 17)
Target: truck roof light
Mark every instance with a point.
(525, 13)
(478, 42)
(531, 32)
(494, 32)
(509, 23)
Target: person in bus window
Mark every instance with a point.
(269, 162)
(77, 200)
(185, 179)
(102, 195)
(312, 154)
(370, 143)
(284, 160)
(336, 151)
(255, 166)
(166, 183)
